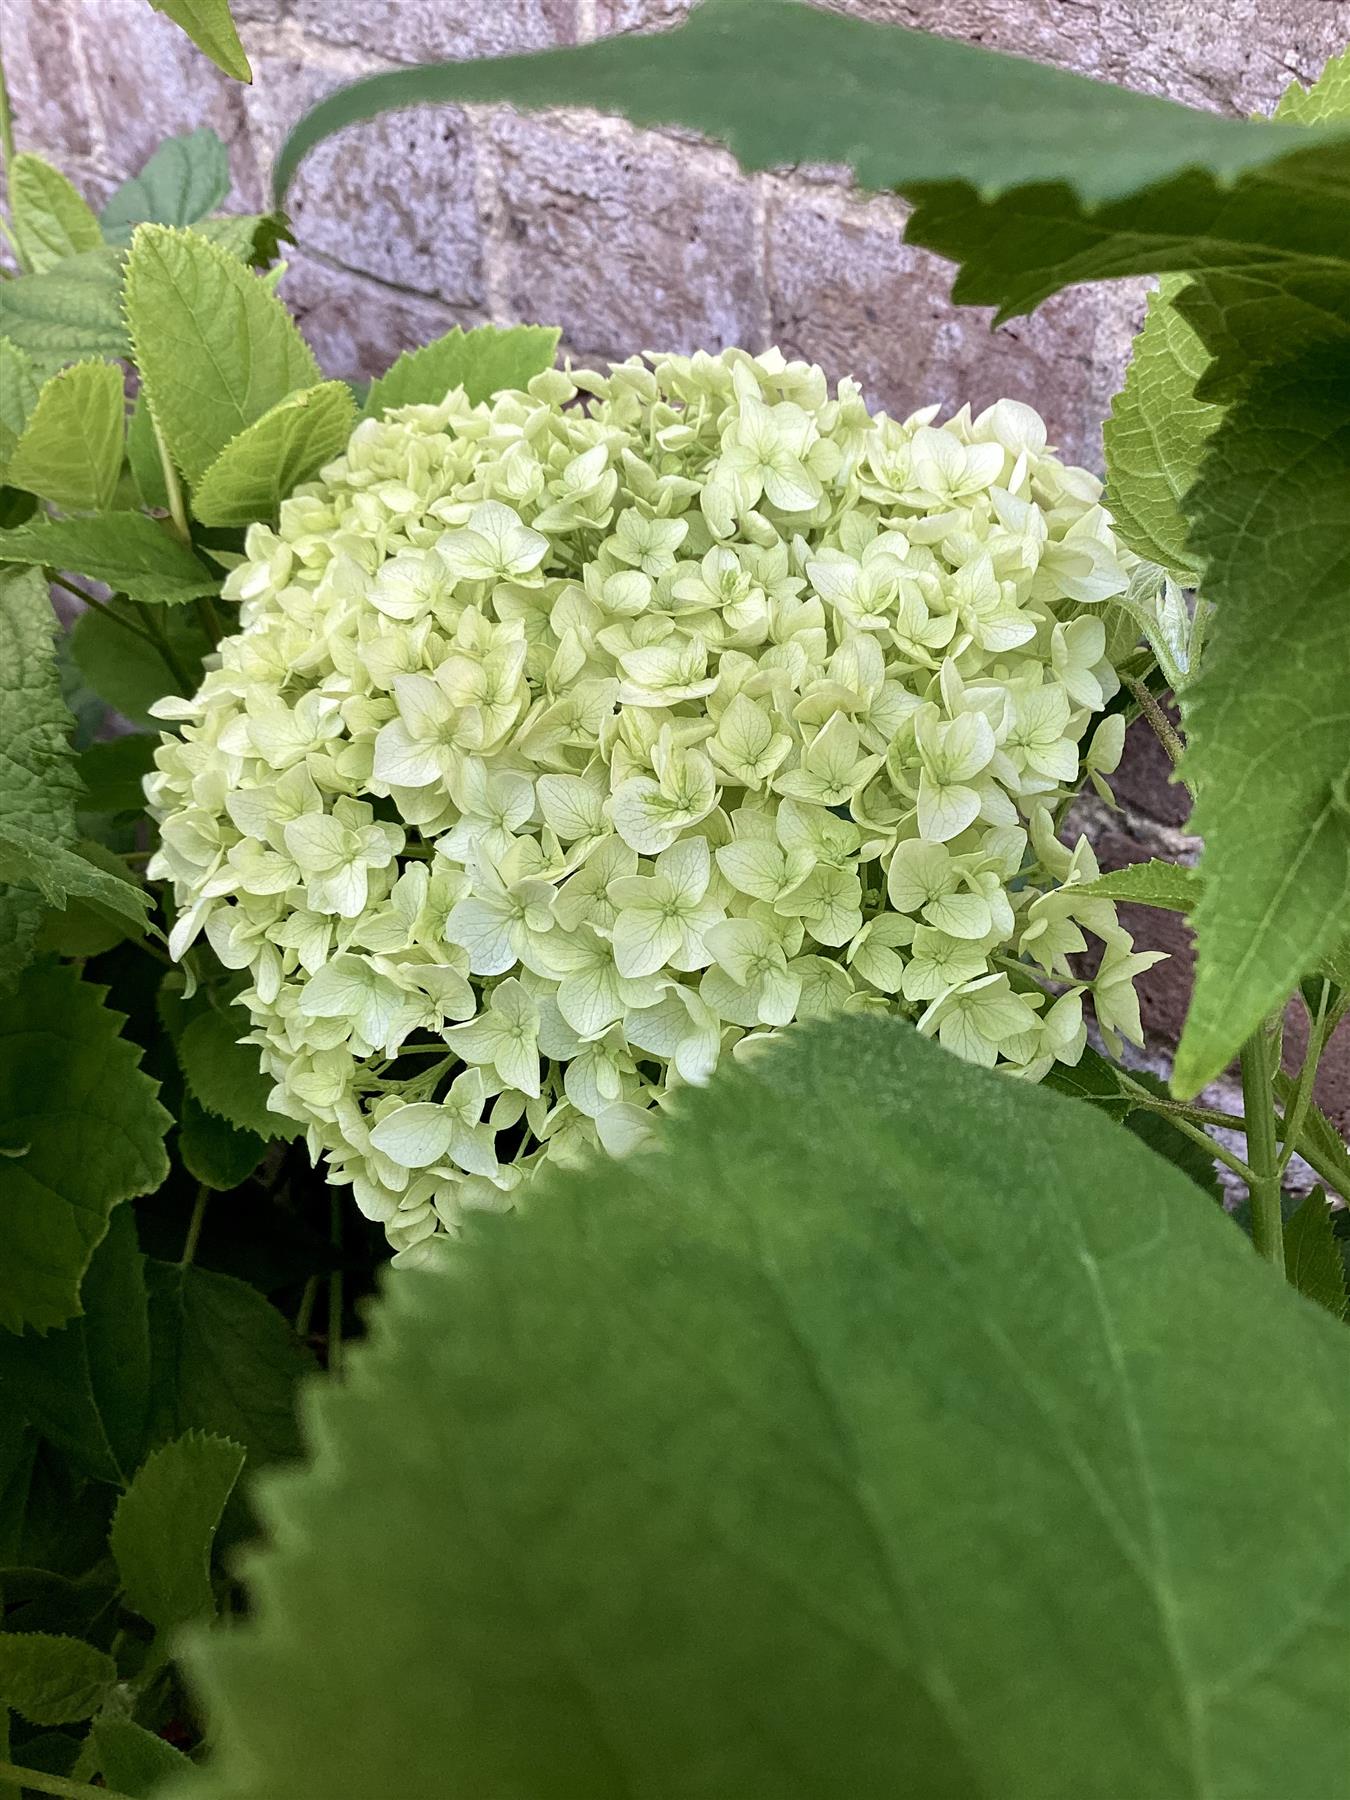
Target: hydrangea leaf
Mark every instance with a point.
(28, 860)
(187, 177)
(1270, 756)
(1157, 434)
(143, 458)
(482, 361)
(224, 1075)
(137, 1762)
(111, 774)
(1312, 1257)
(128, 671)
(255, 238)
(956, 127)
(127, 551)
(86, 1387)
(223, 1360)
(166, 1523)
(1172, 886)
(38, 783)
(72, 312)
(70, 451)
(216, 349)
(212, 30)
(49, 219)
(80, 1129)
(18, 396)
(1325, 101)
(256, 470)
(214, 1151)
(53, 1680)
(704, 1423)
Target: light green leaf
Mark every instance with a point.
(127, 671)
(209, 25)
(1172, 886)
(762, 1467)
(70, 451)
(215, 349)
(134, 1761)
(1156, 436)
(73, 312)
(256, 470)
(80, 1130)
(214, 1151)
(60, 875)
(86, 1387)
(1326, 101)
(482, 361)
(147, 468)
(128, 551)
(255, 238)
(38, 783)
(1319, 1141)
(1268, 719)
(1312, 1257)
(48, 218)
(226, 1076)
(224, 1360)
(186, 178)
(52, 1680)
(18, 396)
(165, 1525)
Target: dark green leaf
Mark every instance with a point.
(761, 1467)
(51, 1680)
(482, 361)
(125, 670)
(75, 311)
(112, 774)
(224, 1360)
(87, 1387)
(214, 1151)
(226, 1076)
(80, 1130)
(60, 875)
(128, 551)
(1312, 1258)
(186, 178)
(255, 238)
(135, 1762)
(166, 1523)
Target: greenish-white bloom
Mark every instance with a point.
(577, 739)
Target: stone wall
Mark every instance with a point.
(639, 240)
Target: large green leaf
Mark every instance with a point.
(134, 1761)
(1156, 436)
(129, 672)
(51, 1680)
(186, 178)
(209, 25)
(216, 349)
(128, 551)
(256, 470)
(166, 1523)
(86, 1387)
(880, 1437)
(74, 311)
(1268, 719)
(59, 875)
(1312, 1256)
(18, 396)
(49, 219)
(225, 1076)
(70, 450)
(38, 783)
(80, 1130)
(482, 361)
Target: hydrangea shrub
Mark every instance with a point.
(574, 740)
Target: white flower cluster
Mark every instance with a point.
(573, 740)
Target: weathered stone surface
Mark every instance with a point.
(148, 81)
(357, 327)
(627, 242)
(395, 198)
(426, 30)
(845, 291)
(1143, 783)
(45, 76)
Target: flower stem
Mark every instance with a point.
(172, 486)
(1263, 1182)
(40, 1782)
(1307, 1078)
(194, 1230)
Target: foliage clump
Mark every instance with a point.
(575, 739)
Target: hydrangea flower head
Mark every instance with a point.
(573, 741)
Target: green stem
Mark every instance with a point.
(172, 487)
(1307, 1078)
(42, 1783)
(305, 1312)
(102, 606)
(1263, 1183)
(194, 1230)
(1163, 728)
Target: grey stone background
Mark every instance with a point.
(635, 240)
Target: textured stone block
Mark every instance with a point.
(45, 76)
(1143, 783)
(356, 327)
(429, 30)
(845, 291)
(394, 198)
(148, 81)
(628, 242)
